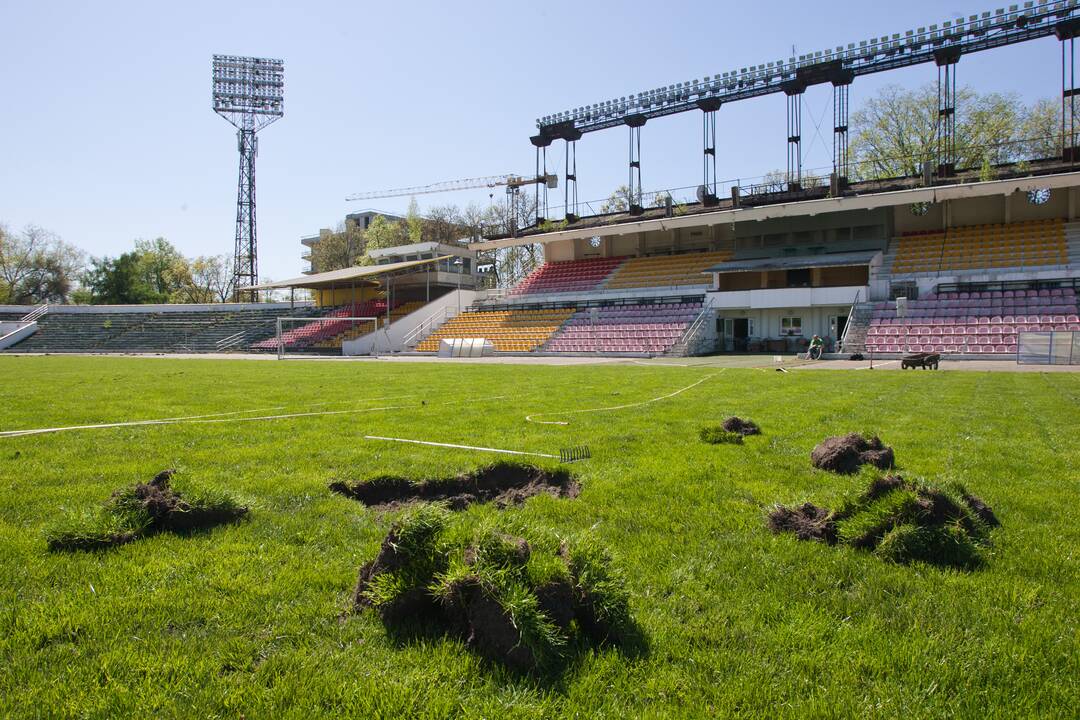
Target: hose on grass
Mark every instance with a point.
(532, 418)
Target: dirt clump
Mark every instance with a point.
(145, 509)
(738, 425)
(898, 520)
(807, 521)
(981, 510)
(519, 601)
(845, 454)
(503, 483)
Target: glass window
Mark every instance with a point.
(791, 326)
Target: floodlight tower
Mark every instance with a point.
(249, 92)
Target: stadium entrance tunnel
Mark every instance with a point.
(504, 483)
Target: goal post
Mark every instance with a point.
(320, 335)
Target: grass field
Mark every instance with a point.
(248, 619)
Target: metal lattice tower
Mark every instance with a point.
(249, 92)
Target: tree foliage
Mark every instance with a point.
(36, 266)
(895, 133)
(156, 272)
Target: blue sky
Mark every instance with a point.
(106, 132)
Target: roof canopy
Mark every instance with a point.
(358, 275)
(848, 259)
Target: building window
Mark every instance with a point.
(798, 278)
(790, 326)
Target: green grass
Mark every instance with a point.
(250, 618)
(716, 435)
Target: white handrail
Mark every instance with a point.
(848, 324)
(232, 340)
(425, 324)
(36, 313)
(695, 327)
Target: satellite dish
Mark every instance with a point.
(702, 194)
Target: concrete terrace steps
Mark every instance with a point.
(855, 341)
(133, 331)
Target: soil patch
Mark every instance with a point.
(898, 520)
(503, 483)
(808, 522)
(847, 453)
(145, 509)
(739, 425)
(512, 601)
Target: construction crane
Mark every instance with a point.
(513, 184)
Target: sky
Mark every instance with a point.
(107, 133)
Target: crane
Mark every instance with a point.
(513, 184)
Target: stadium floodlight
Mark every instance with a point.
(249, 92)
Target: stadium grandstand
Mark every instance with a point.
(948, 259)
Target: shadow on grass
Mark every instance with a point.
(631, 645)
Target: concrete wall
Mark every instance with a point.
(816, 320)
(985, 210)
(104, 309)
(789, 298)
(12, 333)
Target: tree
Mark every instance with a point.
(120, 281)
(383, 233)
(895, 134)
(339, 249)
(154, 272)
(163, 268)
(618, 202)
(1041, 130)
(414, 223)
(210, 279)
(36, 266)
(444, 224)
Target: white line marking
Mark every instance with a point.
(219, 418)
(530, 418)
(460, 447)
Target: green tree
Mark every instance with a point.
(1041, 130)
(339, 249)
(209, 280)
(618, 202)
(895, 133)
(414, 223)
(120, 281)
(383, 233)
(163, 268)
(36, 266)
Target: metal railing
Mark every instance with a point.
(849, 324)
(1058, 347)
(232, 341)
(690, 336)
(426, 326)
(35, 313)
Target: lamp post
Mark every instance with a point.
(459, 264)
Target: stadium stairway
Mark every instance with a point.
(854, 340)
